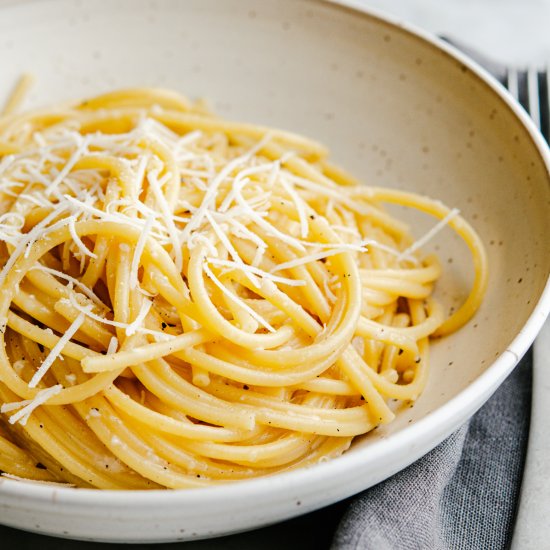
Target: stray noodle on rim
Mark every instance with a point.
(186, 300)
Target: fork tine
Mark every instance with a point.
(513, 83)
(533, 95)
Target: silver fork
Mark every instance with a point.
(531, 88)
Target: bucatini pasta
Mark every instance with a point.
(186, 300)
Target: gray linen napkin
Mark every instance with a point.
(463, 495)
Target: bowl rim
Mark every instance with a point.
(467, 399)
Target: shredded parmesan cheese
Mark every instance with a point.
(29, 406)
(89, 313)
(156, 184)
(236, 299)
(75, 282)
(231, 249)
(26, 240)
(55, 352)
(308, 259)
(256, 271)
(139, 251)
(299, 204)
(419, 243)
(135, 325)
(113, 345)
(69, 165)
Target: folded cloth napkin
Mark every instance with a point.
(463, 495)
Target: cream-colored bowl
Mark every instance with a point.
(398, 108)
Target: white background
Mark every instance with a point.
(511, 31)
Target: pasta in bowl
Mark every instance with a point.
(401, 111)
(191, 301)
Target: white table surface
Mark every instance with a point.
(533, 521)
(510, 31)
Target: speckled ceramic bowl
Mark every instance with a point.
(398, 108)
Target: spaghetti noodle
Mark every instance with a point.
(186, 300)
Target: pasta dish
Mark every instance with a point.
(186, 300)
